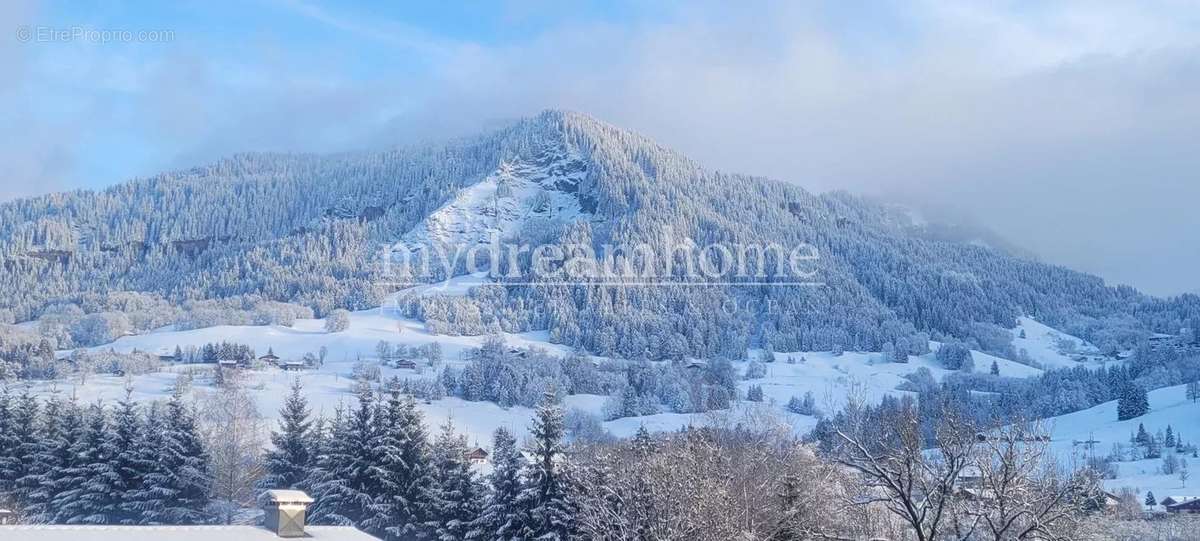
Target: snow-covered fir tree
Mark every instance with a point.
(1132, 402)
(176, 491)
(545, 504)
(500, 517)
(402, 508)
(291, 457)
(132, 459)
(349, 482)
(93, 487)
(60, 430)
(455, 499)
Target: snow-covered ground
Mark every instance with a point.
(504, 201)
(1168, 406)
(1041, 342)
(830, 378)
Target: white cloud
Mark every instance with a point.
(1067, 127)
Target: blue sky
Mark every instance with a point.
(1068, 127)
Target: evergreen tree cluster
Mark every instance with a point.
(63, 463)
(374, 466)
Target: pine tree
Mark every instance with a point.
(131, 461)
(322, 482)
(1142, 436)
(1132, 402)
(1169, 439)
(455, 495)
(291, 457)
(59, 433)
(545, 500)
(177, 490)
(501, 515)
(404, 470)
(91, 485)
(350, 484)
(995, 371)
(9, 443)
(1150, 501)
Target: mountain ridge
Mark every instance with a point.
(303, 229)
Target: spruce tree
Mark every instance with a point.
(1150, 501)
(291, 458)
(545, 501)
(500, 517)
(130, 461)
(1142, 437)
(17, 461)
(323, 484)
(1132, 402)
(59, 433)
(349, 484)
(403, 505)
(9, 443)
(91, 484)
(455, 495)
(177, 490)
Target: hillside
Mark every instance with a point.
(307, 230)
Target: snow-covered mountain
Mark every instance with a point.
(306, 230)
(544, 188)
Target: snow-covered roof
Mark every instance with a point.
(171, 533)
(291, 496)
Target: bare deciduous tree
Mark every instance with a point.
(233, 431)
(900, 474)
(738, 478)
(1018, 490)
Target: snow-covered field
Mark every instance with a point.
(830, 378)
(1041, 342)
(1168, 406)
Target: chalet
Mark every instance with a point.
(477, 456)
(406, 363)
(1191, 506)
(293, 365)
(228, 363)
(283, 519)
(270, 358)
(1174, 500)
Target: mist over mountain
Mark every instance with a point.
(304, 232)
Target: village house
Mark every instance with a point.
(406, 363)
(477, 456)
(1189, 506)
